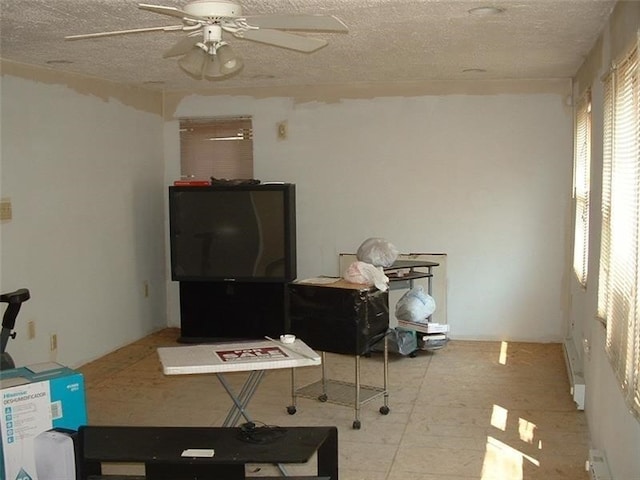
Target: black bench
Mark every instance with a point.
(161, 450)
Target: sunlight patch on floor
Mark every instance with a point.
(504, 461)
(527, 430)
(502, 359)
(499, 417)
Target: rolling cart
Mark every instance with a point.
(344, 318)
(340, 392)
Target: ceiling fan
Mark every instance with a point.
(203, 52)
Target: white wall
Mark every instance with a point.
(613, 428)
(85, 179)
(483, 178)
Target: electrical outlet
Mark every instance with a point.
(587, 348)
(53, 342)
(282, 130)
(31, 330)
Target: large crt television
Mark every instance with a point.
(233, 233)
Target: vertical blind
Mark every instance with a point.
(220, 148)
(581, 187)
(619, 289)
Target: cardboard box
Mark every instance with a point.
(36, 399)
(437, 328)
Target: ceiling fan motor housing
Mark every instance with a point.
(213, 9)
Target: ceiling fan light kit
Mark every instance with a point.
(486, 11)
(193, 63)
(204, 53)
(229, 61)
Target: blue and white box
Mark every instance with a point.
(35, 399)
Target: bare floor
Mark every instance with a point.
(470, 411)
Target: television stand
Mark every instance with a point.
(223, 311)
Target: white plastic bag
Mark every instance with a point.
(378, 252)
(415, 305)
(367, 274)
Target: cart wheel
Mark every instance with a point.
(356, 425)
(323, 397)
(384, 410)
(291, 409)
(413, 354)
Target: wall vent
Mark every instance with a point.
(597, 466)
(574, 370)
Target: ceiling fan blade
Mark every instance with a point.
(325, 23)
(283, 39)
(183, 46)
(124, 32)
(171, 11)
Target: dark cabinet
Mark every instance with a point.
(231, 310)
(340, 317)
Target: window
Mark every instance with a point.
(220, 148)
(581, 182)
(619, 290)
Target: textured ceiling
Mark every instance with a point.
(388, 41)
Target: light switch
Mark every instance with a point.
(5, 209)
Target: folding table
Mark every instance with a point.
(254, 356)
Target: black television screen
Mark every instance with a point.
(233, 233)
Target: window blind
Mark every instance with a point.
(581, 187)
(220, 148)
(619, 289)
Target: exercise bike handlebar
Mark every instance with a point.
(15, 300)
